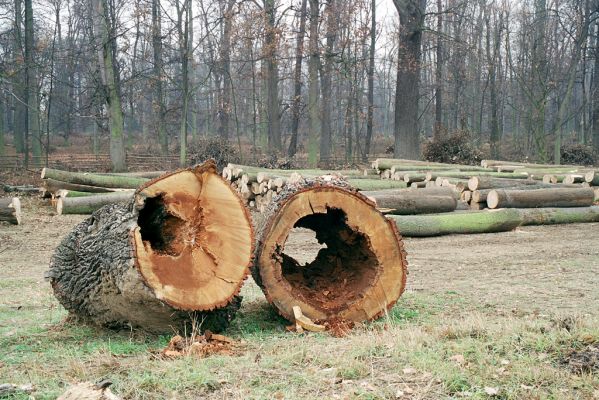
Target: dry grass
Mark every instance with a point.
(434, 344)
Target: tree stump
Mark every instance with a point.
(360, 273)
(177, 254)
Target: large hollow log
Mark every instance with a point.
(10, 210)
(560, 197)
(358, 275)
(457, 222)
(413, 202)
(89, 204)
(176, 255)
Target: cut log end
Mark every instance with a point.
(194, 240)
(357, 277)
(177, 254)
(10, 210)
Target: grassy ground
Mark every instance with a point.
(440, 341)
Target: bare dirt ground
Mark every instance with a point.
(479, 315)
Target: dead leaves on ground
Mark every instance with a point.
(201, 346)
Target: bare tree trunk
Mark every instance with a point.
(297, 80)
(272, 77)
(407, 89)
(331, 35)
(492, 60)
(582, 32)
(595, 111)
(183, 30)
(111, 91)
(20, 104)
(538, 79)
(439, 73)
(370, 112)
(224, 102)
(313, 114)
(158, 106)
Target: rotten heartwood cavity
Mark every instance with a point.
(357, 276)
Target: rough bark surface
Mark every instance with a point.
(562, 197)
(457, 222)
(414, 203)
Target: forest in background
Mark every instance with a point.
(328, 79)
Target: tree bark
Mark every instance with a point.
(102, 29)
(272, 77)
(117, 268)
(464, 222)
(560, 215)
(89, 204)
(20, 105)
(331, 11)
(595, 109)
(370, 111)
(10, 210)
(407, 89)
(357, 277)
(224, 95)
(313, 63)
(297, 80)
(561, 197)
(158, 104)
(106, 181)
(413, 202)
(33, 122)
(437, 129)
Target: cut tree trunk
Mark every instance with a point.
(592, 177)
(457, 222)
(89, 204)
(486, 182)
(53, 186)
(10, 210)
(358, 275)
(174, 258)
(480, 196)
(430, 191)
(413, 202)
(106, 181)
(561, 197)
(376, 184)
(561, 215)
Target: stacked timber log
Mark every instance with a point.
(500, 195)
(83, 193)
(258, 186)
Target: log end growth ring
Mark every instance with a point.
(193, 240)
(358, 274)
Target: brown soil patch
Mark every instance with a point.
(583, 361)
(201, 346)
